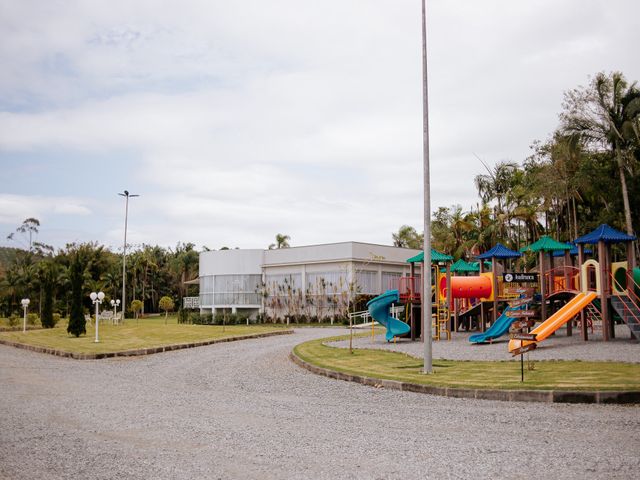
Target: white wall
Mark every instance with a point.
(231, 262)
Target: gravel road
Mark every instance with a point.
(243, 410)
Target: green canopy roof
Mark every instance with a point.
(462, 266)
(476, 265)
(546, 244)
(435, 257)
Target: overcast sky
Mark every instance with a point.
(237, 120)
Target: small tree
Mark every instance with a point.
(136, 307)
(166, 304)
(77, 323)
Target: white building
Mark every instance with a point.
(312, 280)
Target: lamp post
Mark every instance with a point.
(115, 304)
(97, 298)
(25, 306)
(126, 194)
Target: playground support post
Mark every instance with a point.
(583, 288)
(426, 269)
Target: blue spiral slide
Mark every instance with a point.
(379, 309)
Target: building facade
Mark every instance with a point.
(312, 281)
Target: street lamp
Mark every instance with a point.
(25, 305)
(115, 304)
(97, 298)
(126, 194)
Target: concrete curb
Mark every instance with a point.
(548, 396)
(141, 351)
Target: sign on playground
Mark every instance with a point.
(526, 348)
(520, 313)
(522, 324)
(523, 336)
(520, 301)
(514, 277)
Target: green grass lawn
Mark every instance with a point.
(546, 375)
(148, 332)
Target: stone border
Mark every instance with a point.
(548, 396)
(141, 351)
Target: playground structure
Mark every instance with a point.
(593, 292)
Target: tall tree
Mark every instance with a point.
(607, 114)
(48, 277)
(77, 322)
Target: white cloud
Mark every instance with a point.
(250, 118)
(15, 208)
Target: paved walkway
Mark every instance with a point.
(556, 347)
(243, 410)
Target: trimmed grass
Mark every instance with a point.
(546, 375)
(150, 332)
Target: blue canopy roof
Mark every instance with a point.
(604, 233)
(573, 252)
(499, 251)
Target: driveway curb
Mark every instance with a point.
(548, 396)
(141, 351)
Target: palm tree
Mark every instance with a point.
(282, 241)
(607, 115)
(407, 237)
(495, 185)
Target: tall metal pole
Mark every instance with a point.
(426, 266)
(126, 194)
(124, 254)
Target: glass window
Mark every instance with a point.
(367, 282)
(237, 289)
(390, 280)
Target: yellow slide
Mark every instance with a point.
(555, 321)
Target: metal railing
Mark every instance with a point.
(630, 294)
(409, 288)
(562, 279)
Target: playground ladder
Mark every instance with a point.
(442, 321)
(593, 315)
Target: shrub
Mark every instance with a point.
(13, 320)
(182, 316)
(56, 318)
(32, 318)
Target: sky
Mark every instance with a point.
(235, 121)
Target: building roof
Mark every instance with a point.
(499, 251)
(546, 244)
(435, 257)
(604, 233)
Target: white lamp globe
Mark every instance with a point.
(93, 296)
(112, 302)
(100, 296)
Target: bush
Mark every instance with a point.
(56, 319)
(13, 320)
(183, 316)
(32, 319)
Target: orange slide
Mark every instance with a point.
(555, 321)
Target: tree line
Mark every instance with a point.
(46, 276)
(585, 174)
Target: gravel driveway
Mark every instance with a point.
(243, 410)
